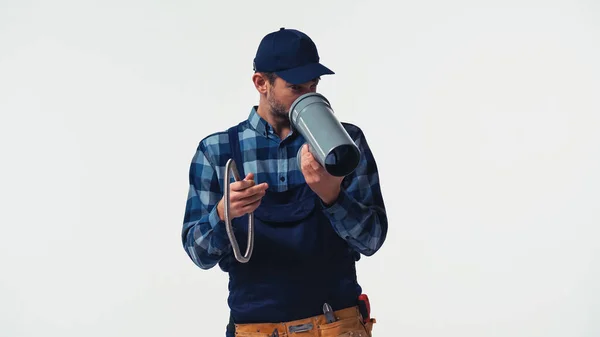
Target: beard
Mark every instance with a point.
(278, 110)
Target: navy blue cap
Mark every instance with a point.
(290, 54)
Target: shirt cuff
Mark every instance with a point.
(339, 210)
(220, 241)
(214, 220)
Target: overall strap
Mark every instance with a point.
(236, 154)
(234, 143)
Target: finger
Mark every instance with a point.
(240, 202)
(254, 190)
(315, 165)
(251, 207)
(250, 200)
(244, 183)
(249, 192)
(307, 156)
(241, 185)
(311, 163)
(306, 163)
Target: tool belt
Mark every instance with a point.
(347, 322)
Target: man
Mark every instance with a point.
(310, 227)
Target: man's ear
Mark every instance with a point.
(260, 83)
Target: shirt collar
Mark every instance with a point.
(258, 123)
(261, 126)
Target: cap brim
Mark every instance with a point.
(305, 73)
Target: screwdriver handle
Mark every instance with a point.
(365, 307)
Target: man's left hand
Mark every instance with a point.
(326, 186)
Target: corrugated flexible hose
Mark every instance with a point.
(229, 168)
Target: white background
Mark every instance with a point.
(483, 117)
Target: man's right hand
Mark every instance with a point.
(244, 196)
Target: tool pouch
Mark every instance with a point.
(346, 327)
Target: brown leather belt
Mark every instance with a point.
(347, 320)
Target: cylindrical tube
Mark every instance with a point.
(312, 115)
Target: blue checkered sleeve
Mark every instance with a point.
(204, 235)
(358, 215)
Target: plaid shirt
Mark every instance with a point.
(358, 216)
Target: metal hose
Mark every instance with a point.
(231, 167)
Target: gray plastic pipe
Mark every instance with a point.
(312, 115)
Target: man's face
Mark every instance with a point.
(282, 94)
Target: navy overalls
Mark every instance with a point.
(298, 262)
